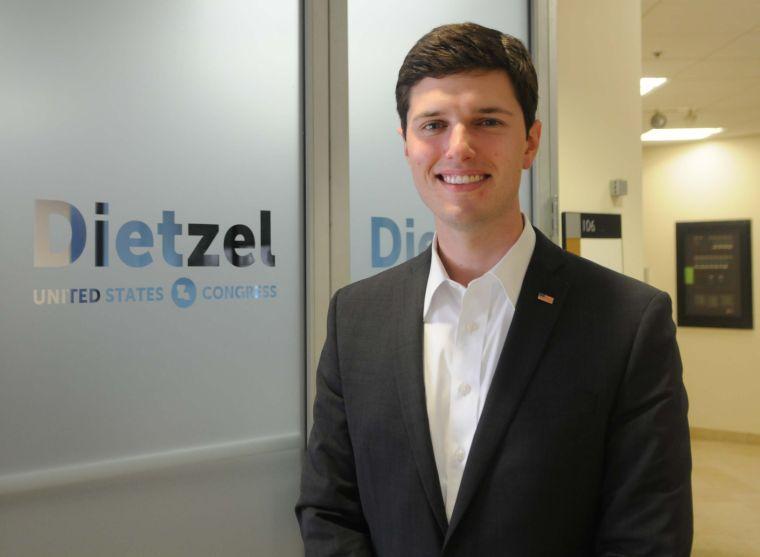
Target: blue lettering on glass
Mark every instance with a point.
(78, 233)
(409, 237)
(168, 229)
(126, 240)
(378, 224)
(389, 257)
(239, 241)
(44, 253)
(183, 292)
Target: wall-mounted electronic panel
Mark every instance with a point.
(714, 274)
(388, 222)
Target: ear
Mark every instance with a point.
(401, 133)
(531, 144)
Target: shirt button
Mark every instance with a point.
(464, 389)
(459, 455)
(471, 327)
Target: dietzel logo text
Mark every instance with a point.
(135, 240)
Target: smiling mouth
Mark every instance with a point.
(458, 179)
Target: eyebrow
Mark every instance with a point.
(427, 114)
(484, 110)
(495, 110)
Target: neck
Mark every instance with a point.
(469, 254)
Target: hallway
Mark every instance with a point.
(726, 482)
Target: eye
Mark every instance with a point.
(490, 122)
(432, 126)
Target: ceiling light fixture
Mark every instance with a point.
(649, 84)
(679, 134)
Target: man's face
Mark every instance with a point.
(466, 146)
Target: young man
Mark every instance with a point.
(494, 395)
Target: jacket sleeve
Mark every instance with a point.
(646, 506)
(329, 511)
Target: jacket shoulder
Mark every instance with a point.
(587, 277)
(386, 285)
(601, 287)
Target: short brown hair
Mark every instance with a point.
(466, 47)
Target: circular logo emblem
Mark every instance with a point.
(183, 292)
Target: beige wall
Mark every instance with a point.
(598, 128)
(708, 180)
(599, 113)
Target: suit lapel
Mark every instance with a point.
(531, 326)
(411, 384)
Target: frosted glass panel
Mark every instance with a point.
(151, 234)
(223, 509)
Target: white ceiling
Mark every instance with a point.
(710, 53)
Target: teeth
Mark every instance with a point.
(459, 179)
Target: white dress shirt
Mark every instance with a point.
(464, 332)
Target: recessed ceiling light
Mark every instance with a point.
(649, 84)
(679, 134)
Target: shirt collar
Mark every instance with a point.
(509, 271)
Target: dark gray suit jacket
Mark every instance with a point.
(582, 447)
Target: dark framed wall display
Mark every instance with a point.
(714, 274)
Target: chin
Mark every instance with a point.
(460, 220)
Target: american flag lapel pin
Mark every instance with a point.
(546, 298)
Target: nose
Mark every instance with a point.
(460, 143)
